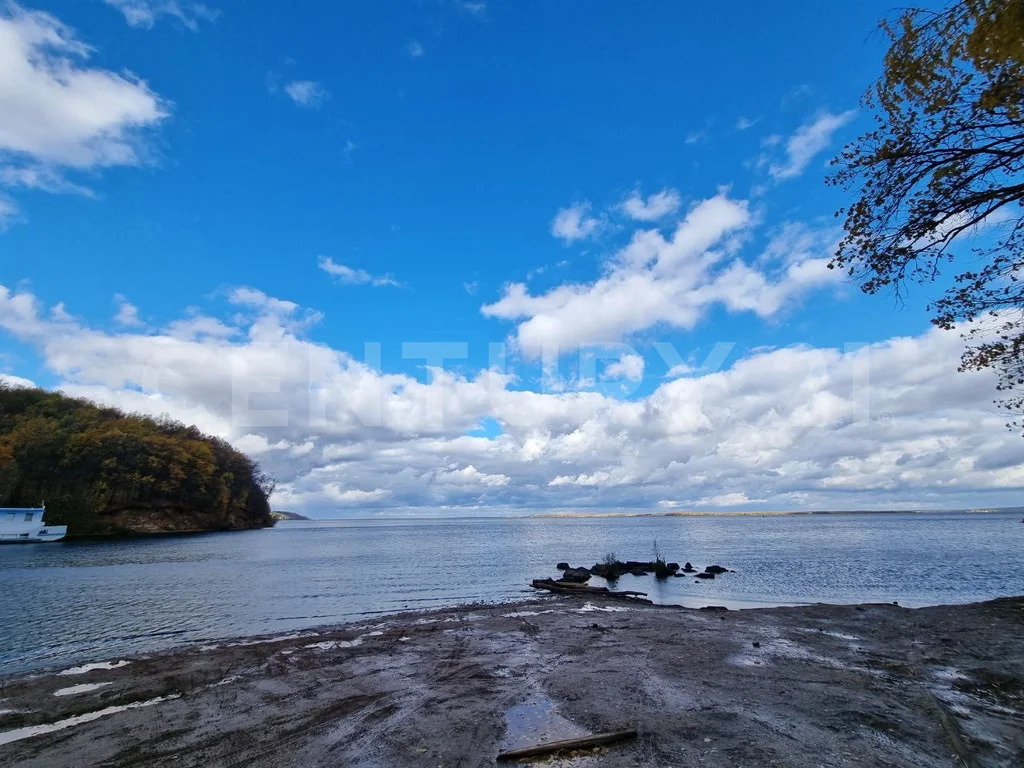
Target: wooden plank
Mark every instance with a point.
(584, 742)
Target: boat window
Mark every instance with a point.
(10, 515)
(28, 517)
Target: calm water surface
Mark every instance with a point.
(65, 603)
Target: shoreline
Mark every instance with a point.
(809, 685)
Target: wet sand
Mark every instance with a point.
(871, 685)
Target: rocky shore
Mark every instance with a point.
(868, 685)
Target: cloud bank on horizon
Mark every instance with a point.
(607, 377)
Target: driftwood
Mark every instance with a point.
(584, 742)
(570, 588)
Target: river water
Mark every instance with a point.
(66, 603)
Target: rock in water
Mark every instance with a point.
(575, 575)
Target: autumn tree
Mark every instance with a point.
(938, 182)
(90, 463)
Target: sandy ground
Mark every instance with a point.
(872, 685)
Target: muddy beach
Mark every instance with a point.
(871, 685)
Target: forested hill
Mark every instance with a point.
(101, 471)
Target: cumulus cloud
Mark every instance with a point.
(656, 206)
(127, 314)
(656, 280)
(145, 13)
(16, 381)
(308, 94)
(808, 140)
(630, 367)
(470, 475)
(57, 113)
(574, 223)
(868, 426)
(344, 274)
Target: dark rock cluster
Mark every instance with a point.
(611, 570)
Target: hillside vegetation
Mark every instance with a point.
(102, 471)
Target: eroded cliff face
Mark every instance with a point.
(165, 518)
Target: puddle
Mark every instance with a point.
(7, 737)
(90, 667)
(74, 690)
(536, 721)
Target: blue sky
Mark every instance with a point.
(188, 185)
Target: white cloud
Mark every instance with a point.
(354, 495)
(744, 123)
(595, 480)
(145, 13)
(630, 367)
(45, 178)
(872, 426)
(470, 475)
(808, 140)
(308, 94)
(415, 50)
(8, 212)
(16, 381)
(353, 276)
(574, 223)
(127, 313)
(58, 114)
(655, 207)
(657, 281)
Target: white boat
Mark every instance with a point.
(26, 525)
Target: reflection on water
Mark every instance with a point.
(64, 604)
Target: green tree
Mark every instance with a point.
(938, 181)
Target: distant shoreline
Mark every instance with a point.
(673, 513)
(779, 512)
